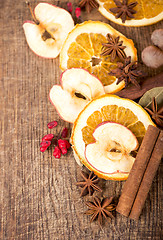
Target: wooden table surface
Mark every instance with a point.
(38, 195)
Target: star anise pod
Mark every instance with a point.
(100, 209)
(89, 183)
(123, 9)
(128, 72)
(88, 5)
(156, 114)
(113, 48)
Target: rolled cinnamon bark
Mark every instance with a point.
(148, 178)
(132, 184)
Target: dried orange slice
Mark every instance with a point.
(147, 12)
(108, 108)
(83, 47)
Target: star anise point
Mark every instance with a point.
(114, 48)
(100, 209)
(88, 184)
(156, 114)
(88, 5)
(127, 72)
(124, 10)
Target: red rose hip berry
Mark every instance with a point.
(57, 152)
(43, 149)
(61, 144)
(45, 143)
(52, 124)
(47, 137)
(67, 144)
(64, 132)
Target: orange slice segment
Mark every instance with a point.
(80, 63)
(116, 114)
(83, 48)
(147, 12)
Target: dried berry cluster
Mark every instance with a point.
(61, 145)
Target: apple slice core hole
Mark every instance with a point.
(46, 35)
(79, 95)
(115, 150)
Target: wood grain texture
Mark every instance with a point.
(38, 195)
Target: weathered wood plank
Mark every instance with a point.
(38, 196)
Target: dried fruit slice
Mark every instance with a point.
(111, 151)
(77, 88)
(113, 109)
(147, 12)
(46, 36)
(83, 48)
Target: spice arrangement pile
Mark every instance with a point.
(115, 137)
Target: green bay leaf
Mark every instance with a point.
(146, 99)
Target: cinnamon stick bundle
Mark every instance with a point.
(148, 178)
(147, 152)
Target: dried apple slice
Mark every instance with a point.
(47, 34)
(111, 151)
(77, 88)
(107, 108)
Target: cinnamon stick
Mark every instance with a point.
(134, 92)
(132, 184)
(148, 178)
